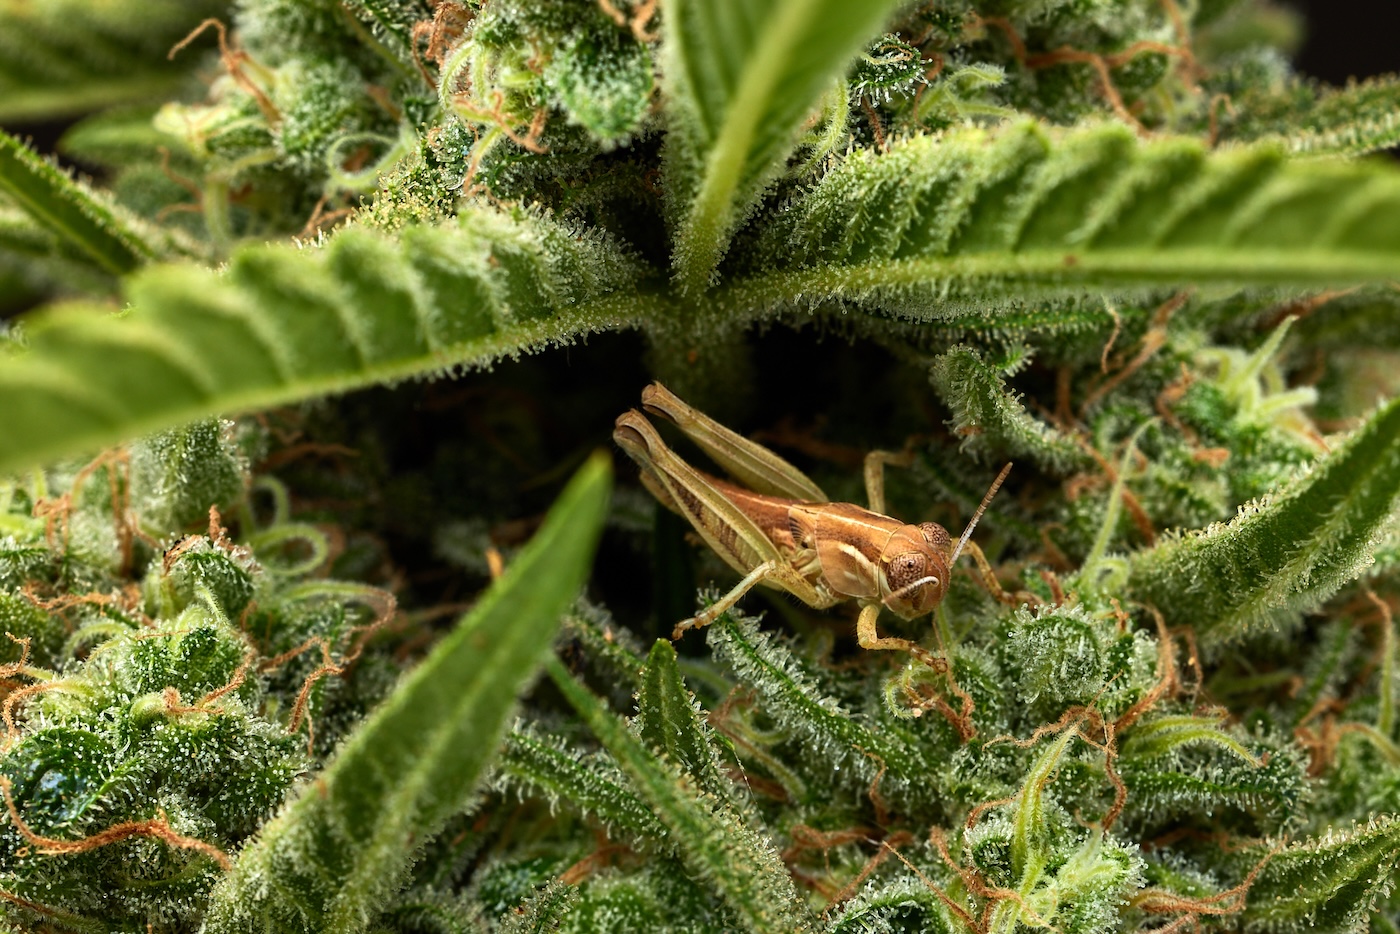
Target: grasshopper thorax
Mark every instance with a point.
(914, 569)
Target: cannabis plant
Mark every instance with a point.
(328, 299)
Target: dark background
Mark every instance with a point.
(1349, 38)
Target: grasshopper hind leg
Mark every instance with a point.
(639, 447)
(654, 487)
(752, 464)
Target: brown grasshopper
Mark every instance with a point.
(779, 529)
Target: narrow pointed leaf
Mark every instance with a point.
(1177, 765)
(21, 235)
(65, 57)
(992, 420)
(978, 220)
(744, 76)
(1284, 554)
(284, 325)
(670, 722)
(1030, 845)
(712, 841)
(328, 861)
(47, 263)
(790, 696)
(613, 650)
(119, 137)
(1307, 119)
(544, 911)
(1326, 884)
(546, 766)
(70, 211)
(1160, 735)
(392, 24)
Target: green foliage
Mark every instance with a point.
(844, 745)
(75, 215)
(211, 769)
(329, 860)
(63, 58)
(1085, 889)
(146, 744)
(988, 416)
(1017, 214)
(715, 842)
(1025, 222)
(1329, 884)
(540, 766)
(392, 24)
(1313, 120)
(1284, 555)
(526, 59)
(1091, 239)
(544, 910)
(178, 474)
(668, 722)
(742, 78)
(205, 343)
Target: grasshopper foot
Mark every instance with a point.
(726, 603)
(698, 621)
(869, 638)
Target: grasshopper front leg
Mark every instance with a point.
(870, 638)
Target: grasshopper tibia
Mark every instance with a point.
(726, 603)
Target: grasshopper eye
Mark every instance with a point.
(905, 569)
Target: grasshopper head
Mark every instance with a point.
(914, 569)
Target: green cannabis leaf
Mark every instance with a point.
(275, 330)
(336, 851)
(938, 225)
(69, 211)
(542, 766)
(63, 58)
(744, 77)
(1032, 216)
(1312, 120)
(716, 843)
(1284, 555)
(670, 724)
(989, 416)
(290, 375)
(1329, 883)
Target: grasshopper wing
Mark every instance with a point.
(753, 465)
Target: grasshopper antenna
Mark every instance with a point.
(986, 501)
